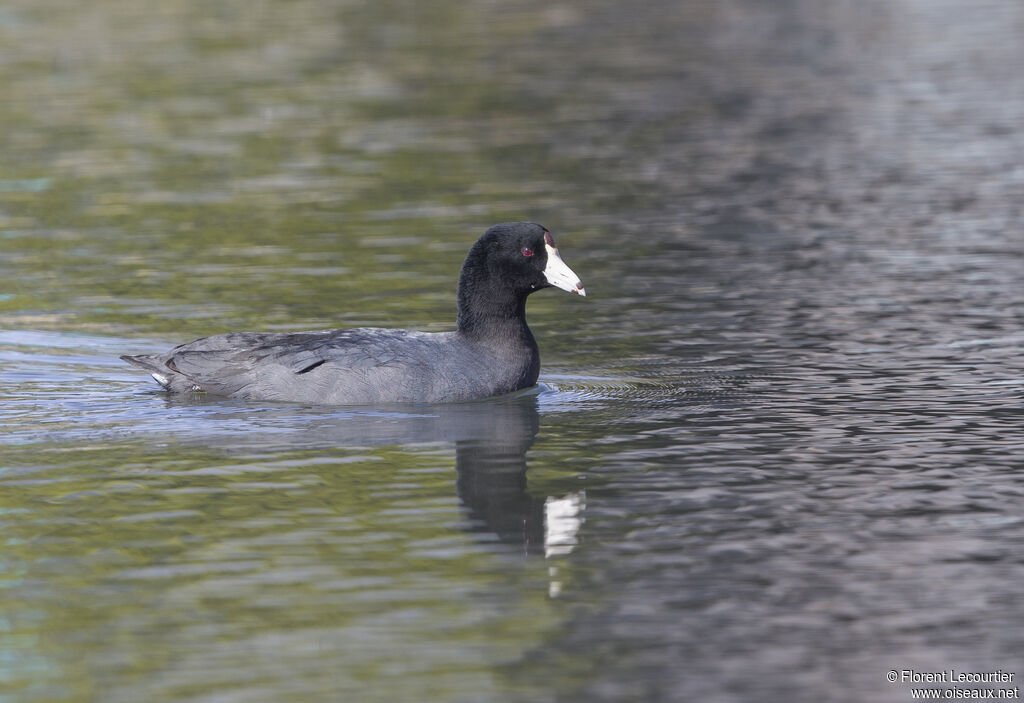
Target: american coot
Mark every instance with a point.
(491, 352)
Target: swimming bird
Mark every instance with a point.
(490, 352)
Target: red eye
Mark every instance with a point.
(527, 251)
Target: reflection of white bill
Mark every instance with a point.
(562, 520)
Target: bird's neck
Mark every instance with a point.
(492, 313)
(494, 318)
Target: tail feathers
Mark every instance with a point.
(167, 377)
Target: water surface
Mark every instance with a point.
(776, 451)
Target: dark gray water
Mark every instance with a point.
(777, 451)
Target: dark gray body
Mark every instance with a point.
(361, 366)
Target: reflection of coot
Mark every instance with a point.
(491, 438)
(491, 352)
(492, 475)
